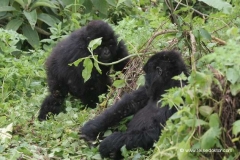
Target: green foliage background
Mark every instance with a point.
(207, 34)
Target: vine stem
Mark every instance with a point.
(112, 63)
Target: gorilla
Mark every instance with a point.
(63, 78)
(149, 116)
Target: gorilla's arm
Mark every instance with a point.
(128, 105)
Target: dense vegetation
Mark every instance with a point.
(207, 125)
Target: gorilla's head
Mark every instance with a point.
(160, 69)
(107, 50)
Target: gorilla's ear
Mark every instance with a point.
(159, 70)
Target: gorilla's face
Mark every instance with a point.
(157, 77)
(160, 69)
(106, 51)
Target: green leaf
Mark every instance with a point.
(88, 65)
(5, 132)
(107, 133)
(20, 2)
(120, 1)
(14, 24)
(232, 75)
(4, 2)
(49, 20)
(200, 122)
(119, 83)
(235, 89)
(7, 8)
(182, 150)
(31, 17)
(205, 34)
(40, 3)
(95, 43)
(76, 63)
(219, 4)
(101, 6)
(96, 157)
(236, 127)
(210, 138)
(97, 66)
(124, 151)
(214, 120)
(205, 111)
(112, 2)
(31, 35)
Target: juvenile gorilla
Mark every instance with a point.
(63, 79)
(145, 127)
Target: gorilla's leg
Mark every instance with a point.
(54, 102)
(110, 146)
(128, 105)
(143, 130)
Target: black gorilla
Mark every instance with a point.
(149, 118)
(64, 79)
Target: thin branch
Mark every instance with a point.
(198, 12)
(194, 50)
(157, 34)
(40, 30)
(221, 42)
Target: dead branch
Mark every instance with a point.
(194, 50)
(157, 34)
(219, 41)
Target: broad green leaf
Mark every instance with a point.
(42, 3)
(49, 20)
(219, 4)
(7, 8)
(96, 157)
(107, 133)
(102, 6)
(76, 63)
(68, 2)
(236, 128)
(112, 2)
(25, 151)
(97, 66)
(21, 2)
(88, 65)
(120, 1)
(214, 120)
(205, 111)
(128, 3)
(14, 24)
(5, 132)
(232, 75)
(235, 89)
(210, 138)
(183, 147)
(31, 17)
(119, 83)
(200, 122)
(124, 151)
(31, 35)
(4, 2)
(95, 43)
(205, 34)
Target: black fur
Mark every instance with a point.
(149, 118)
(64, 79)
